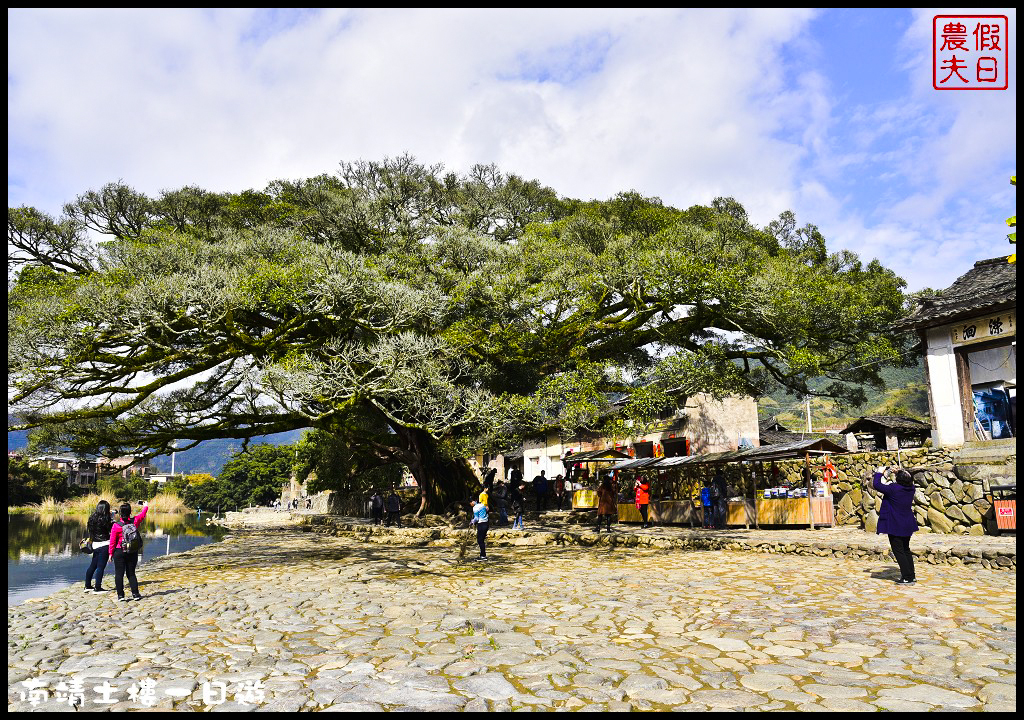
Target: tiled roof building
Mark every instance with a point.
(970, 330)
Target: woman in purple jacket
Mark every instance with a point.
(896, 519)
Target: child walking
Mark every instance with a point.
(480, 520)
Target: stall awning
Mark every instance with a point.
(595, 456)
(797, 449)
(634, 464)
(675, 461)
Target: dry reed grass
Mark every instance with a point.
(87, 503)
(167, 502)
(49, 506)
(163, 503)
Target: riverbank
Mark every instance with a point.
(290, 620)
(43, 554)
(85, 505)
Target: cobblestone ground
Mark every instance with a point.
(290, 621)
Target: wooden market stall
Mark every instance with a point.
(811, 504)
(659, 512)
(808, 506)
(587, 497)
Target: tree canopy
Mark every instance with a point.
(414, 314)
(28, 484)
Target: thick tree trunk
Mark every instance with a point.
(442, 480)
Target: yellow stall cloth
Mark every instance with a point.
(583, 499)
(793, 511)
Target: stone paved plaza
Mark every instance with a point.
(287, 620)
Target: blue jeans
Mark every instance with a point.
(94, 575)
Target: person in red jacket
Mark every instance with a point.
(643, 498)
(126, 558)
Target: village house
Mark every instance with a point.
(125, 466)
(703, 425)
(970, 332)
(80, 473)
(83, 472)
(885, 432)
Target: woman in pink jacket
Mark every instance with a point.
(125, 543)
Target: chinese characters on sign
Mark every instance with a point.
(970, 52)
(990, 328)
(75, 693)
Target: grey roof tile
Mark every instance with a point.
(991, 285)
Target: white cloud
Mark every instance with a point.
(685, 105)
(163, 98)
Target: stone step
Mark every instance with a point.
(1004, 442)
(989, 458)
(990, 451)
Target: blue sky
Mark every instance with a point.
(828, 113)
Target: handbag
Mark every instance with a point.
(85, 545)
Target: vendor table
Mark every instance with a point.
(776, 511)
(793, 511)
(684, 512)
(662, 512)
(629, 513)
(584, 499)
(741, 512)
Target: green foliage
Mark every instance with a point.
(409, 314)
(251, 477)
(334, 462)
(32, 484)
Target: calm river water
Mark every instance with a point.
(43, 556)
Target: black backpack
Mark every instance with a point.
(131, 538)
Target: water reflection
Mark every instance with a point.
(43, 555)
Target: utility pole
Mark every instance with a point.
(807, 400)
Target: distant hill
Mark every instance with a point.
(207, 457)
(211, 455)
(906, 393)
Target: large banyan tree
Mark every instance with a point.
(415, 314)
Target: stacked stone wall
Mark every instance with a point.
(949, 498)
